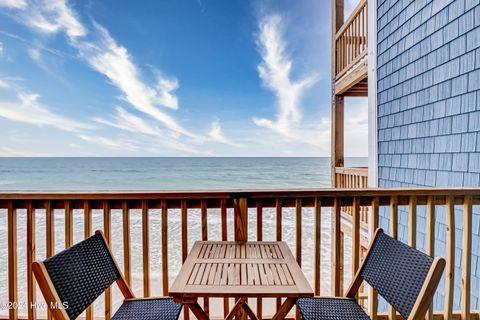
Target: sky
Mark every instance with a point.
(170, 78)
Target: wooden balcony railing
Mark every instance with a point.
(351, 177)
(351, 40)
(131, 220)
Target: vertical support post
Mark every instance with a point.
(68, 225)
(337, 249)
(279, 229)
(165, 247)
(126, 242)
(259, 238)
(318, 233)
(240, 221)
(430, 243)
(31, 289)
(337, 101)
(204, 217)
(412, 222)
(107, 227)
(184, 209)
(87, 232)
(450, 257)
(12, 261)
(241, 228)
(466, 256)
(146, 249)
(50, 236)
(392, 313)
(373, 227)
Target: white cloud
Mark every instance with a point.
(106, 141)
(16, 4)
(216, 134)
(52, 16)
(28, 109)
(114, 61)
(275, 72)
(127, 121)
(106, 56)
(4, 84)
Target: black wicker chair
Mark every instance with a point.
(72, 279)
(405, 277)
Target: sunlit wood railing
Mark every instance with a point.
(353, 178)
(240, 206)
(351, 40)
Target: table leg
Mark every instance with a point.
(197, 310)
(284, 309)
(236, 309)
(249, 311)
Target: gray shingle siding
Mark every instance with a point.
(428, 82)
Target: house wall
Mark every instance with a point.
(428, 111)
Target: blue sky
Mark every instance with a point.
(169, 78)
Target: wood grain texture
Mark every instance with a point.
(466, 257)
(430, 240)
(12, 260)
(450, 257)
(107, 227)
(87, 232)
(146, 248)
(165, 247)
(317, 245)
(31, 245)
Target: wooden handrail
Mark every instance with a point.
(241, 203)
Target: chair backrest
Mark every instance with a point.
(399, 273)
(81, 273)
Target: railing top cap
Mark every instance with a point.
(231, 193)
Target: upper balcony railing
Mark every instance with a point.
(151, 232)
(351, 41)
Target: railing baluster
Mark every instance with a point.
(298, 231)
(12, 259)
(466, 256)
(259, 238)
(450, 257)
(31, 289)
(337, 253)
(430, 242)
(412, 222)
(87, 232)
(184, 209)
(355, 235)
(392, 313)
(165, 247)
(146, 248)
(278, 216)
(126, 242)
(223, 217)
(317, 212)
(49, 235)
(298, 237)
(107, 227)
(373, 227)
(68, 224)
(204, 217)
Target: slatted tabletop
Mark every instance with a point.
(240, 269)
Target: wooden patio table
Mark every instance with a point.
(240, 270)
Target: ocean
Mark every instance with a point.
(164, 174)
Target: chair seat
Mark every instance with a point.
(148, 309)
(331, 309)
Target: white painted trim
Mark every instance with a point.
(372, 95)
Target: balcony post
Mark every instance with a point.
(337, 157)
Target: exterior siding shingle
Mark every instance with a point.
(428, 73)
